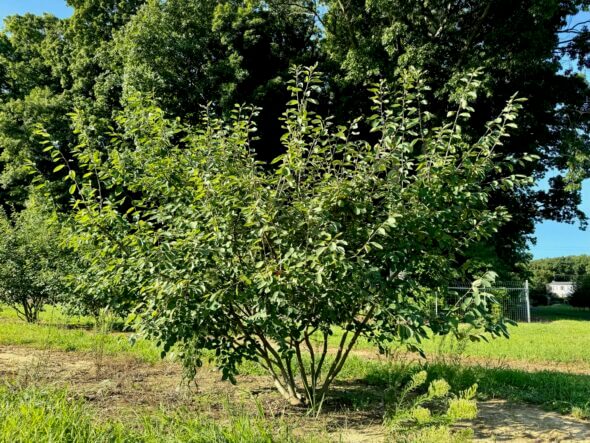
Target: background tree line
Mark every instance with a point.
(574, 268)
(186, 53)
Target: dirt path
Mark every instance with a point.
(499, 420)
(120, 387)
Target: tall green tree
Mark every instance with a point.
(31, 95)
(521, 46)
(559, 268)
(220, 52)
(190, 53)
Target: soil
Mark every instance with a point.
(122, 387)
(499, 420)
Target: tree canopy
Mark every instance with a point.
(188, 53)
(33, 265)
(567, 268)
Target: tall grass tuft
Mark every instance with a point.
(39, 415)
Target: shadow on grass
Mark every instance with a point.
(559, 312)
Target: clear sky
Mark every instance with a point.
(58, 8)
(553, 239)
(556, 239)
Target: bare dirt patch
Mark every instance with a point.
(500, 420)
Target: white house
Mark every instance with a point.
(561, 289)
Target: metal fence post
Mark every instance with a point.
(528, 303)
(436, 305)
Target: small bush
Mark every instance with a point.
(462, 409)
(32, 263)
(539, 297)
(438, 434)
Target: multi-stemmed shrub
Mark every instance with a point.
(353, 228)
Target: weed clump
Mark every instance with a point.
(428, 416)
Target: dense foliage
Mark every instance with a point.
(581, 295)
(33, 265)
(566, 268)
(218, 252)
(521, 46)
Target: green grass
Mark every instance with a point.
(561, 337)
(50, 315)
(56, 330)
(555, 340)
(41, 415)
(560, 341)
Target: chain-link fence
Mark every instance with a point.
(512, 297)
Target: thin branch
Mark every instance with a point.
(309, 391)
(573, 28)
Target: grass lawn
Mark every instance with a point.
(562, 336)
(559, 341)
(559, 312)
(48, 415)
(56, 330)
(555, 341)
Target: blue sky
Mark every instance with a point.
(553, 239)
(556, 239)
(55, 7)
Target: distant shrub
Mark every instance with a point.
(581, 295)
(32, 263)
(539, 297)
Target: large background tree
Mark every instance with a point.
(520, 45)
(186, 53)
